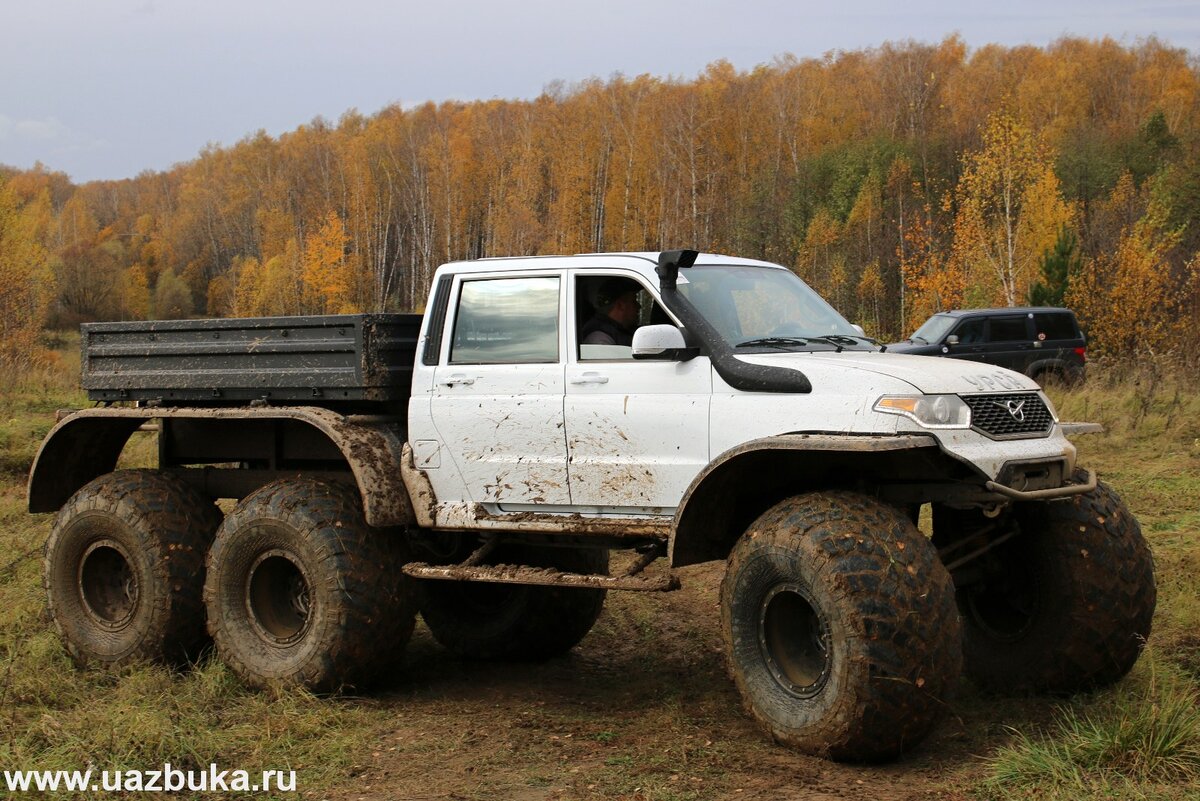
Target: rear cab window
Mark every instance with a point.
(506, 321)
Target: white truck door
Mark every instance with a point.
(637, 431)
(497, 401)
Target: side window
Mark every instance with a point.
(608, 309)
(970, 331)
(1008, 329)
(1055, 326)
(506, 321)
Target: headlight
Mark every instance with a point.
(931, 411)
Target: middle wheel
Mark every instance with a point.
(840, 626)
(302, 591)
(515, 621)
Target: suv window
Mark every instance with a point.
(506, 321)
(971, 331)
(1055, 326)
(1008, 329)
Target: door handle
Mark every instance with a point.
(590, 378)
(458, 378)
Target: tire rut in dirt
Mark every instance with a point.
(840, 626)
(302, 591)
(123, 569)
(1067, 603)
(516, 622)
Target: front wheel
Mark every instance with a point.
(840, 626)
(1065, 604)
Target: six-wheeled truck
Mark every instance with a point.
(477, 465)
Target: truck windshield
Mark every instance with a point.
(933, 329)
(746, 304)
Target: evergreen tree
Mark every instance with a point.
(1058, 265)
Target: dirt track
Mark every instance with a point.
(641, 709)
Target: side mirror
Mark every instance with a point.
(952, 339)
(661, 343)
(862, 332)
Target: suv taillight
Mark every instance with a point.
(1081, 353)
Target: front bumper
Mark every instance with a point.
(1044, 494)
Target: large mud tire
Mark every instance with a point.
(302, 591)
(840, 627)
(1067, 603)
(123, 569)
(516, 622)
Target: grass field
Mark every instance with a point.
(642, 708)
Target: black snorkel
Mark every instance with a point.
(737, 373)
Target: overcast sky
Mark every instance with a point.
(108, 88)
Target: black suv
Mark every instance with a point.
(1040, 342)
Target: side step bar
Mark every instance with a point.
(524, 574)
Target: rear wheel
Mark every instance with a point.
(480, 620)
(1065, 604)
(124, 569)
(302, 591)
(840, 626)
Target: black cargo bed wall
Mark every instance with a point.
(328, 360)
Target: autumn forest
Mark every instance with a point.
(897, 181)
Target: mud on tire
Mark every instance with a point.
(516, 622)
(840, 626)
(302, 591)
(123, 569)
(1066, 604)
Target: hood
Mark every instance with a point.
(931, 375)
(907, 347)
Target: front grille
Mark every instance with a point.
(1010, 415)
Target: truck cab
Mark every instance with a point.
(513, 415)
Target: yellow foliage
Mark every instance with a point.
(813, 262)
(247, 294)
(870, 294)
(26, 281)
(1009, 211)
(220, 296)
(933, 284)
(1131, 301)
(135, 293)
(281, 284)
(326, 276)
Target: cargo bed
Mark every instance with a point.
(331, 360)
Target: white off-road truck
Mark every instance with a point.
(478, 464)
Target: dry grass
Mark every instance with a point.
(1138, 740)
